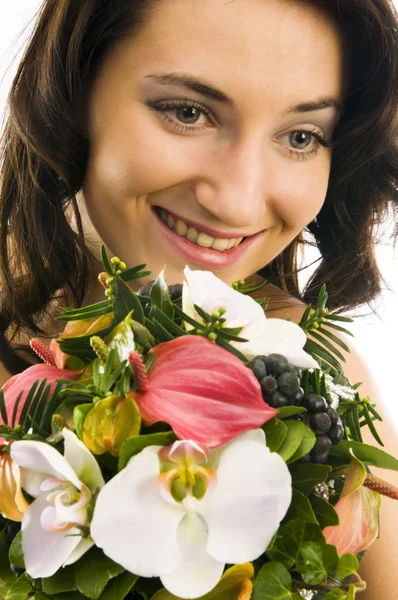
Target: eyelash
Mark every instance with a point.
(175, 104)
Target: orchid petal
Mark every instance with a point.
(84, 545)
(82, 461)
(280, 337)
(198, 572)
(32, 481)
(133, 524)
(193, 376)
(43, 458)
(44, 551)
(252, 496)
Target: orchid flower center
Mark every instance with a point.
(68, 505)
(182, 474)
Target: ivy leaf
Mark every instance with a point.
(324, 512)
(62, 581)
(366, 454)
(273, 582)
(335, 595)
(300, 509)
(79, 414)
(118, 588)
(15, 553)
(135, 444)
(285, 412)
(275, 434)
(19, 590)
(306, 477)
(348, 565)
(93, 572)
(285, 547)
(307, 443)
(294, 438)
(310, 563)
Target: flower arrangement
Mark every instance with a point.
(175, 443)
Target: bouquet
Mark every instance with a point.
(175, 443)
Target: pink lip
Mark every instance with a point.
(208, 230)
(206, 257)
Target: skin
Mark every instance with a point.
(234, 170)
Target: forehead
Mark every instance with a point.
(279, 50)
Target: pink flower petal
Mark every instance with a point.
(203, 391)
(24, 381)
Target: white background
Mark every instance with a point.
(376, 339)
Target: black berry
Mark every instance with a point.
(258, 367)
(315, 403)
(276, 363)
(297, 398)
(277, 400)
(175, 291)
(336, 433)
(320, 451)
(145, 290)
(269, 385)
(288, 383)
(320, 422)
(333, 415)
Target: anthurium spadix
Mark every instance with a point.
(264, 336)
(182, 512)
(203, 391)
(63, 487)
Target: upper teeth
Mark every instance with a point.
(200, 238)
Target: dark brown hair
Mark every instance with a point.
(44, 155)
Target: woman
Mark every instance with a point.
(206, 133)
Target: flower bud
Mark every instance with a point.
(109, 423)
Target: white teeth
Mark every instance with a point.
(192, 235)
(219, 244)
(181, 228)
(200, 238)
(204, 240)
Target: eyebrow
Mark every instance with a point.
(202, 87)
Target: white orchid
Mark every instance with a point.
(62, 487)
(265, 336)
(182, 512)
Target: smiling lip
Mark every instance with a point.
(206, 257)
(204, 229)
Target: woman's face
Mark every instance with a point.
(217, 166)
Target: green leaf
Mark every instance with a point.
(310, 563)
(334, 338)
(306, 477)
(290, 411)
(329, 345)
(325, 513)
(105, 260)
(134, 445)
(330, 558)
(369, 423)
(121, 339)
(318, 351)
(295, 435)
(351, 592)
(15, 554)
(160, 296)
(273, 582)
(6, 573)
(348, 565)
(19, 590)
(307, 443)
(300, 509)
(334, 317)
(126, 301)
(366, 454)
(275, 434)
(285, 546)
(118, 588)
(135, 273)
(62, 581)
(79, 414)
(336, 594)
(93, 572)
(86, 312)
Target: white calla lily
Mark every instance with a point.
(182, 512)
(62, 487)
(265, 336)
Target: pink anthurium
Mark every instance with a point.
(358, 511)
(203, 391)
(24, 381)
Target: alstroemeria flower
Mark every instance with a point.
(182, 512)
(12, 501)
(75, 329)
(24, 381)
(358, 511)
(265, 336)
(203, 391)
(62, 487)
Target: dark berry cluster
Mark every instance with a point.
(325, 423)
(279, 380)
(175, 290)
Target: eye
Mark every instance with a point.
(188, 113)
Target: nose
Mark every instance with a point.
(234, 189)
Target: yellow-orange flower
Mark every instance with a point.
(12, 502)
